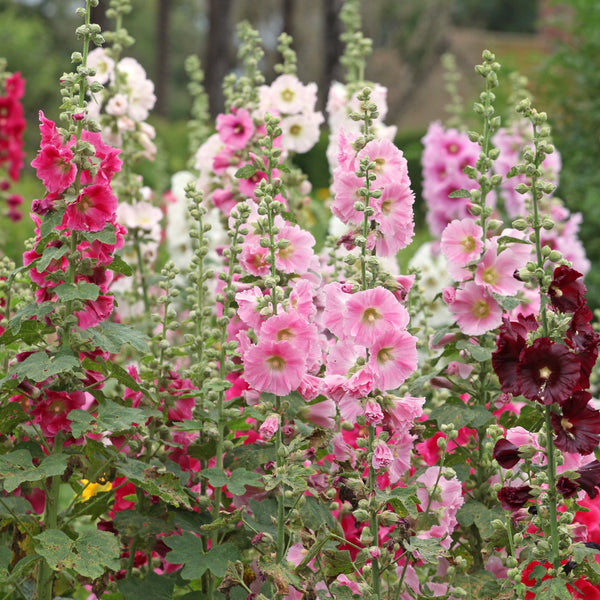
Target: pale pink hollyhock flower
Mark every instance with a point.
(301, 299)
(310, 387)
(495, 272)
(235, 129)
(371, 313)
(104, 65)
(274, 367)
(373, 413)
(402, 444)
(269, 427)
(345, 189)
(92, 210)
(360, 384)
(247, 301)
(117, 105)
(293, 328)
(298, 255)
(350, 408)
(288, 95)
(300, 132)
(382, 456)
(394, 215)
(449, 295)
(342, 451)
(333, 387)
(445, 495)
(393, 357)
(253, 257)
(335, 309)
(390, 164)
(321, 414)
(475, 309)
(462, 241)
(406, 411)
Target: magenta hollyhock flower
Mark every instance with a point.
(50, 411)
(392, 358)
(371, 313)
(382, 456)
(495, 272)
(54, 167)
(514, 498)
(475, 309)
(92, 209)
(547, 372)
(506, 453)
(235, 129)
(273, 366)
(577, 429)
(461, 241)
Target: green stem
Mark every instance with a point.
(280, 496)
(142, 271)
(373, 519)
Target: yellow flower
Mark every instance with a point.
(90, 489)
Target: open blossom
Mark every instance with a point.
(373, 312)
(382, 456)
(495, 271)
(235, 129)
(475, 309)
(577, 429)
(95, 206)
(462, 242)
(393, 357)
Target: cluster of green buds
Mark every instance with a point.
(357, 46)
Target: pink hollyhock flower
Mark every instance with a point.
(51, 410)
(335, 309)
(342, 451)
(253, 257)
(298, 255)
(273, 366)
(95, 311)
(373, 413)
(54, 167)
(390, 164)
(394, 215)
(371, 313)
(405, 412)
(393, 357)
(293, 328)
(236, 128)
(310, 387)
(462, 242)
(345, 189)
(247, 301)
(321, 414)
(382, 456)
(301, 299)
(269, 427)
(92, 210)
(495, 272)
(475, 309)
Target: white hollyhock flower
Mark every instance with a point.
(300, 132)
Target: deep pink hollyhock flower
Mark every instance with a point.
(50, 134)
(248, 186)
(95, 311)
(567, 290)
(54, 167)
(235, 129)
(547, 372)
(514, 498)
(577, 429)
(269, 427)
(462, 242)
(382, 456)
(224, 200)
(506, 453)
(393, 357)
(495, 272)
(92, 210)
(51, 410)
(274, 367)
(371, 313)
(475, 309)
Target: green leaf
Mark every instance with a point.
(106, 236)
(315, 514)
(28, 311)
(40, 365)
(130, 523)
(120, 266)
(163, 484)
(50, 221)
(456, 411)
(188, 550)
(530, 418)
(476, 513)
(235, 482)
(96, 551)
(51, 253)
(462, 193)
(11, 415)
(152, 587)
(404, 501)
(263, 512)
(81, 422)
(112, 336)
(245, 172)
(116, 418)
(429, 549)
(55, 547)
(77, 291)
(479, 353)
(336, 562)
(17, 467)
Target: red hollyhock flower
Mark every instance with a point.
(578, 428)
(547, 372)
(567, 291)
(506, 453)
(513, 498)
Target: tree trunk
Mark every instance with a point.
(218, 52)
(288, 17)
(162, 56)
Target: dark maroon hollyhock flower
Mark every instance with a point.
(567, 487)
(510, 343)
(578, 428)
(567, 291)
(584, 341)
(513, 498)
(506, 453)
(547, 372)
(588, 480)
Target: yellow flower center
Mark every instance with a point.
(385, 355)
(370, 315)
(276, 363)
(468, 243)
(285, 334)
(545, 373)
(481, 309)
